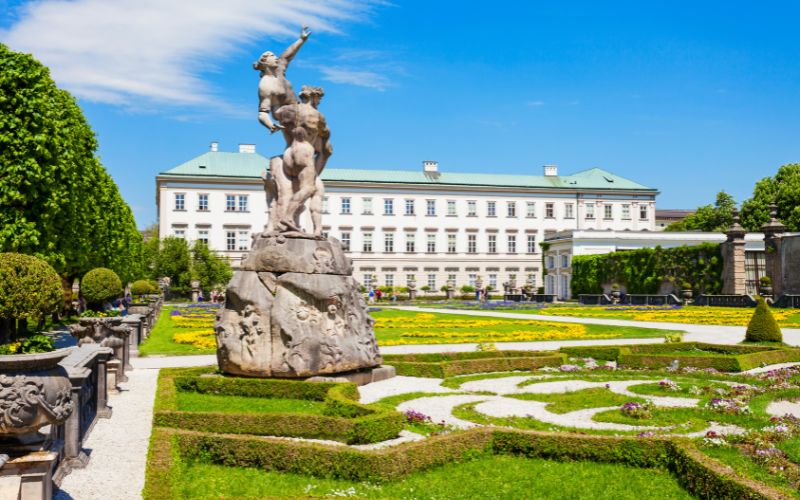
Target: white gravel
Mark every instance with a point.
(404, 437)
(781, 408)
(399, 385)
(118, 446)
(440, 408)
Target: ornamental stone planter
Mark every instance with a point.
(34, 392)
(107, 332)
(687, 295)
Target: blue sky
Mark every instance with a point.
(687, 97)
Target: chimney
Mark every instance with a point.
(550, 171)
(430, 166)
(247, 148)
(214, 146)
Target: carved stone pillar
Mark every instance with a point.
(773, 230)
(733, 273)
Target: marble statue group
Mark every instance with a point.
(293, 309)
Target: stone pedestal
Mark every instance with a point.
(790, 265)
(136, 324)
(449, 293)
(733, 273)
(29, 472)
(293, 310)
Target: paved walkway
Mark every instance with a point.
(118, 446)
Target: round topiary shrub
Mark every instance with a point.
(29, 288)
(141, 287)
(763, 327)
(99, 285)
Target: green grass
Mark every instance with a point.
(160, 340)
(193, 401)
(744, 466)
(655, 389)
(488, 476)
(466, 329)
(687, 314)
(579, 400)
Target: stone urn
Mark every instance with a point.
(108, 332)
(686, 295)
(34, 392)
(412, 289)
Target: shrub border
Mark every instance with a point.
(445, 365)
(344, 419)
(649, 355)
(699, 474)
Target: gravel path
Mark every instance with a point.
(781, 408)
(117, 446)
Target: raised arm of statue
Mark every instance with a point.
(292, 49)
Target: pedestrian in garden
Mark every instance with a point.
(371, 296)
(394, 296)
(378, 294)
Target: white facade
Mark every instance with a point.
(436, 229)
(562, 247)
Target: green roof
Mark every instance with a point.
(250, 165)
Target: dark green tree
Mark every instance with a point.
(712, 218)
(782, 190)
(56, 199)
(173, 260)
(208, 267)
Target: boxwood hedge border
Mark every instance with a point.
(443, 365)
(343, 419)
(730, 358)
(699, 474)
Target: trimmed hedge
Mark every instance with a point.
(698, 473)
(728, 358)
(762, 326)
(344, 418)
(99, 285)
(443, 365)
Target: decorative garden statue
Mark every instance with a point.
(293, 309)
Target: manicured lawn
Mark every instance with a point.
(190, 330)
(579, 400)
(193, 401)
(488, 476)
(161, 340)
(396, 327)
(690, 314)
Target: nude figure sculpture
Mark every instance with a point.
(293, 178)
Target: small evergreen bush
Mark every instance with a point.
(99, 285)
(763, 327)
(143, 287)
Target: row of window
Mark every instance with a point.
(346, 207)
(367, 243)
(233, 202)
(234, 239)
(550, 261)
(431, 282)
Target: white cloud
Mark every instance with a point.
(151, 53)
(362, 78)
(535, 104)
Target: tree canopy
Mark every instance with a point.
(784, 190)
(713, 218)
(56, 200)
(172, 257)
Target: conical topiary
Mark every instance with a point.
(763, 327)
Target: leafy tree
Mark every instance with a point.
(100, 285)
(56, 199)
(29, 288)
(143, 287)
(208, 267)
(784, 191)
(711, 218)
(172, 259)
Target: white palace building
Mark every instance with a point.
(430, 224)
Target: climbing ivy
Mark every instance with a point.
(644, 270)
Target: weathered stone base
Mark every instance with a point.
(294, 311)
(358, 377)
(34, 468)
